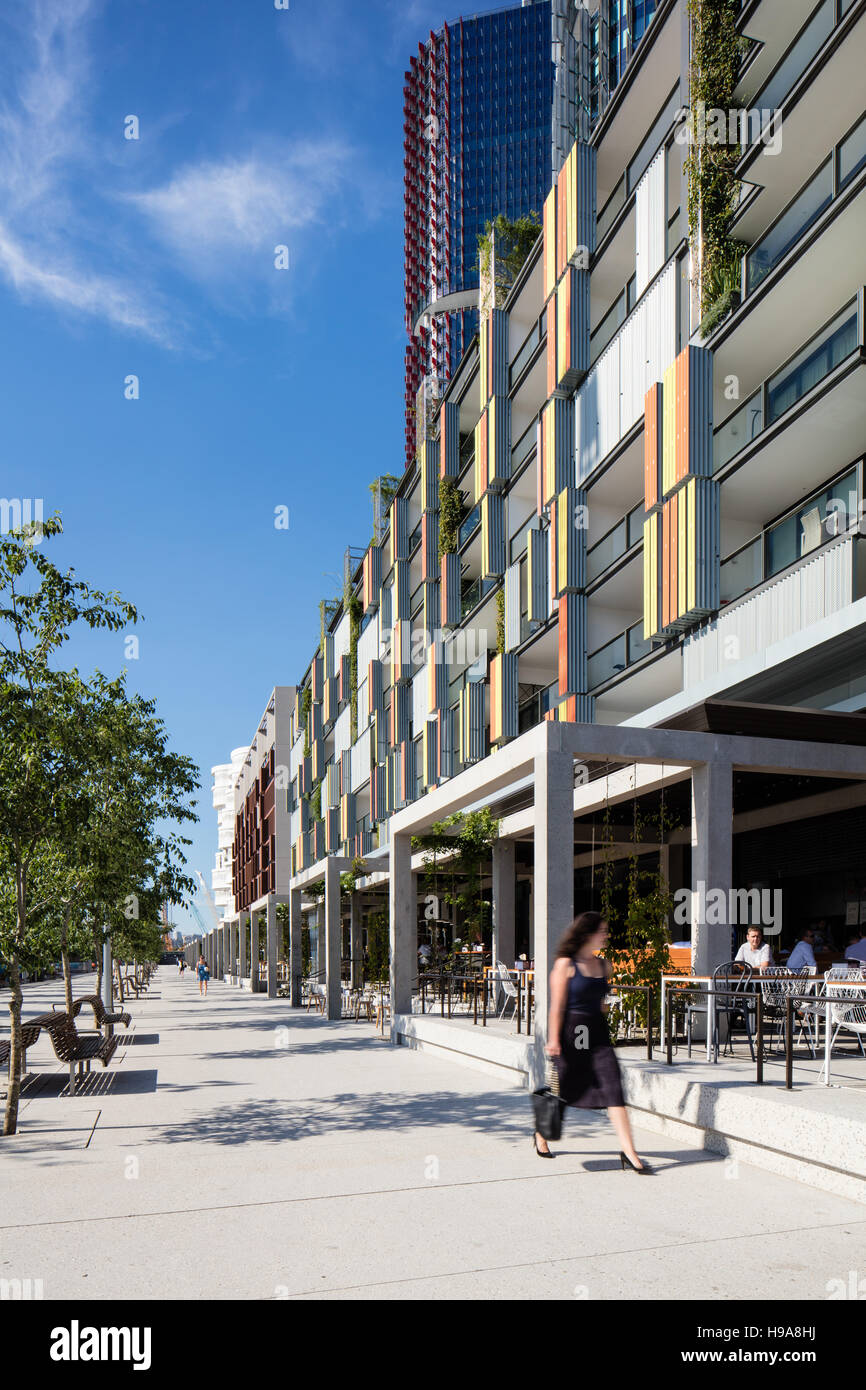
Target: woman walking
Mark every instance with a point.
(203, 976)
(579, 1038)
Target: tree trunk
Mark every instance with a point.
(64, 957)
(97, 951)
(10, 1119)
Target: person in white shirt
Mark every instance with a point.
(857, 950)
(755, 952)
(803, 953)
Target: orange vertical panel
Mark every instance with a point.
(651, 447)
(563, 645)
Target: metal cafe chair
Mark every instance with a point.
(732, 978)
(775, 991)
(847, 1006)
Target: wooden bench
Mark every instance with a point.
(71, 1048)
(29, 1034)
(101, 1017)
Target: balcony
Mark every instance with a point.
(468, 527)
(834, 175)
(526, 353)
(840, 340)
(782, 610)
(615, 544)
(617, 656)
(473, 593)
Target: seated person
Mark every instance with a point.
(856, 951)
(803, 953)
(755, 951)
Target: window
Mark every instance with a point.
(816, 522)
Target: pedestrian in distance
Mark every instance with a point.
(203, 976)
(578, 1035)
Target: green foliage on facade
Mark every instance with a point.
(507, 243)
(500, 622)
(306, 711)
(378, 947)
(717, 53)
(450, 516)
(465, 842)
(355, 610)
(316, 802)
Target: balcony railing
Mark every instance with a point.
(616, 543)
(472, 596)
(781, 392)
(836, 172)
(821, 585)
(468, 527)
(614, 658)
(527, 351)
(812, 37)
(533, 710)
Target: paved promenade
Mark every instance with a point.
(236, 1148)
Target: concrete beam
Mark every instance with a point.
(295, 954)
(403, 912)
(712, 860)
(553, 898)
(503, 902)
(333, 942)
(273, 934)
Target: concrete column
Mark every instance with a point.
(403, 914)
(333, 938)
(295, 958)
(356, 950)
(254, 951)
(273, 943)
(712, 861)
(227, 950)
(243, 918)
(553, 878)
(233, 948)
(503, 902)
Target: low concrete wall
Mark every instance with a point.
(507, 1058)
(812, 1135)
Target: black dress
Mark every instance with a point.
(588, 1071)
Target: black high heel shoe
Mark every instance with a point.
(539, 1151)
(626, 1162)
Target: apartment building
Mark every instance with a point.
(492, 105)
(627, 561)
(225, 776)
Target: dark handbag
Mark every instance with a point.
(548, 1107)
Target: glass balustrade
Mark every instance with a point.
(468, 527)
(852, 154)
(791, 226)
(820, 356)
(814, 35)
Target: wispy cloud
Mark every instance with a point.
(228, 207)
(43, 149)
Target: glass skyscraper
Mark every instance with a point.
(491, 105)
(478, 142)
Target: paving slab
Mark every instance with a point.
(245, 1149)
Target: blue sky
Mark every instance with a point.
(154, 258)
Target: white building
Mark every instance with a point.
(225, 776)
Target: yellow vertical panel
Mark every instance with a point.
(491, 442)
(561, 330)
(550, 243)
(650, 576)
(684, 552)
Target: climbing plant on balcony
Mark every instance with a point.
(306, 711)
(466, 844)
(450, 516)
(503, 247)
(717, 53)
(500, 622)
(355, 610)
